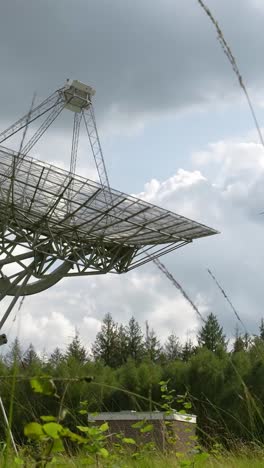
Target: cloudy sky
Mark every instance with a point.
(175, 129)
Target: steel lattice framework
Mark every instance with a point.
(55, 224)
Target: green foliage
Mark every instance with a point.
(211, 334)
(56, 358)
(75, 351)
(153, 348)
(53, 430)
(188, 350)
(172, 348)
(44, 386)
(106, 345)
(47, 418)
(239, 344)
(14, 354)
(51, 435)
(135, 343)
(226, 389)
(147, 428)
(33, 430)
(49, 438)
(128, 440)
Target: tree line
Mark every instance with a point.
(223, 381)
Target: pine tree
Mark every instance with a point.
(238, 343)
(211, 334)
(30, 357)
(106, 345)
(135, 343)
(188, 350)
(153, 348)
(122, 344)
(76, 350)
(15, 354)
(172, 347)
(56, 357)
(247, 341)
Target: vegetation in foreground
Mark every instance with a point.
(52, 443)
(223, 386)
(225, 460)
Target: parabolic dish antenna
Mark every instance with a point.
(56, 224)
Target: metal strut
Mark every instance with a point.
(35, 113)
(75, 141)
(74, 151)
(57, 109)
(91, 128)
(42, 269)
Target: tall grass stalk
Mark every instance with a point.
(229, 54)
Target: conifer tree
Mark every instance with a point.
(153, 348)
(76, 350)
(135, 343)
(122, 344)
(106, 345)
(15, 354)
(30, 357)
(56, 357)
(172, 347)
(247, 341)
(188, 350)
(239, 342)
(211, 334)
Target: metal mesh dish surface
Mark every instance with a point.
(44, 196)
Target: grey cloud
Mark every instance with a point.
(143, 57)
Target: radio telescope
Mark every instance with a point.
(55, 224)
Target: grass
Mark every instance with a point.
(156, 461)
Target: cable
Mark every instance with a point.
(232, 61)
(227, 298)
(175, 283)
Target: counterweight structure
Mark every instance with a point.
(55, 224)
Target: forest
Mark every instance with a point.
(122, 370)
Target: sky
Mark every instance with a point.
(175, 130)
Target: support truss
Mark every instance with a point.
(91, 128)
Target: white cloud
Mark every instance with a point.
(144, 60)
(258, 4)
(45, 330)
(180, 181)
